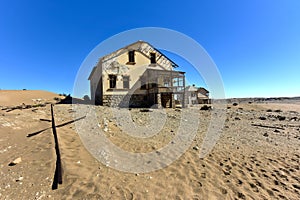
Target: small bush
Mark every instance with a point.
(205, 107)
(86, 98)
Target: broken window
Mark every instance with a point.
(112, 81)
(153, 58)
(166, 81)
(126, 82)
(131, 58)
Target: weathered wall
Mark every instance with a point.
(134, 100)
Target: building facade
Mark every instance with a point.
(194, 95)
(137, 75)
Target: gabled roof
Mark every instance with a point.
(191, 88)
(137, 47)
(202, 88)
(141, 46)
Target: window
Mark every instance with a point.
(166, 82)
(126, 82)
(153, 58)
(131, 58)
(112, 81)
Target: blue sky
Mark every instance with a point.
(255, 44)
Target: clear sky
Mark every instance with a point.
(254, 43)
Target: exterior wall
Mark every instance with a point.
(96, 84)
(133, 71)
(204, 101)
(117, 63)
(135, 100)
(190, 97)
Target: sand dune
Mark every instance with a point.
(28, 97)
(248, 162)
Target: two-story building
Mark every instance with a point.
(137, 75)
(196, 95)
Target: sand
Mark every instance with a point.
(17, 97)
(248, 162)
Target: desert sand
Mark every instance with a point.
(256, 157)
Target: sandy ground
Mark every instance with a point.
(256, 157)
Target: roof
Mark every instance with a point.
(202, 88)
(129, 47)
(137, 46)
(191, 88)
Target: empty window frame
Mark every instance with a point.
(112, 81)
(131, 58)
(153, 58)
(167, 82)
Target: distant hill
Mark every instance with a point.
(28, 97)
(261, 99)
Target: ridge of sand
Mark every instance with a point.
(17, 97)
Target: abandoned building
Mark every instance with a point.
(194, 95)
(203, 96)
(137, 75)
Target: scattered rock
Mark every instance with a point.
(224, 191)
(19, 179)
(196, 148)
(203, 175)
(266, 134)
(178, 106)
(262, 118)
(269, 110)
(235, 104)
(281, 118)
(105, 122)
(296, 186)
(237, 118)
(241, 195)
(293, 119)
(226, 173)
(145, 110)
(200, 184)
(277, 110)
(16, 161)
